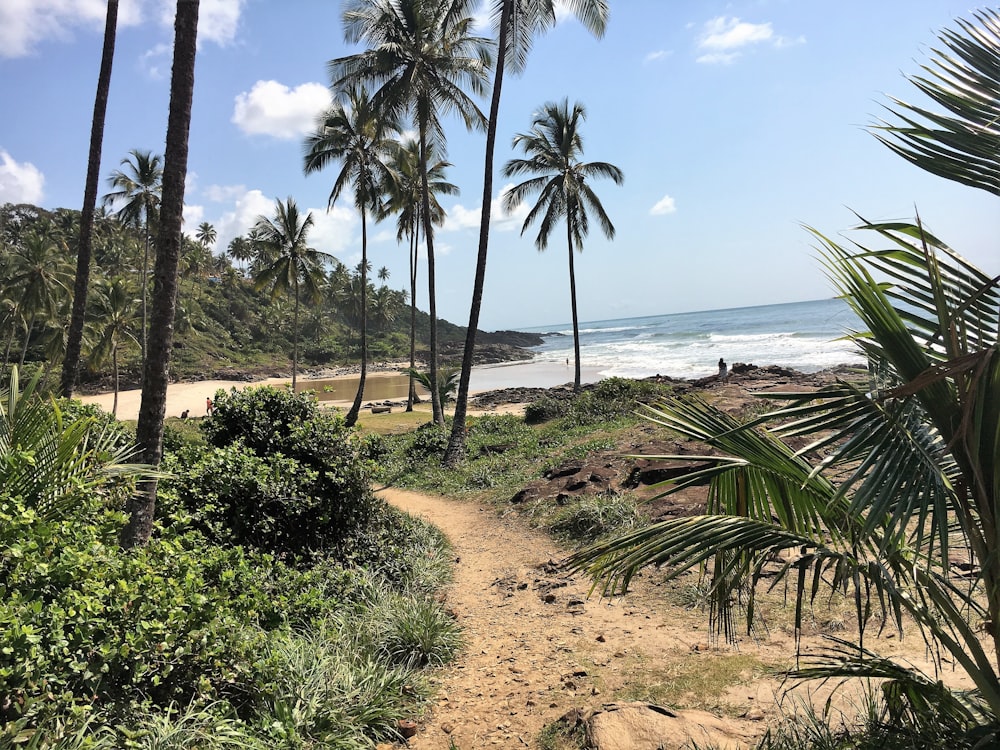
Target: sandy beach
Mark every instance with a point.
(191, 396)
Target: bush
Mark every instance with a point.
(545, 409)
(265, 419)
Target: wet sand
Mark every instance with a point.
(339, 391)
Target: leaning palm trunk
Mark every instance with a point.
(901, 472)
(436, 411)
(352, 414)
(74, 341)
(156, 366)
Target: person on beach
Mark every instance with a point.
(723, 370)
(208, 406)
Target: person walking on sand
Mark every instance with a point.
(208, 406)
(723, 370)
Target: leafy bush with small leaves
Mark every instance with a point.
(427, 441)
(265, 419)
(545, 409)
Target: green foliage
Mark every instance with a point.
(591, 518)
(419, 633)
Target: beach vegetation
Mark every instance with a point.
(554, 148)
(258, 643)
(286, 264)
(352, 133)
(515, 23)
(420, 59)
(893, 499)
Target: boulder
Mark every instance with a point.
(644, 726)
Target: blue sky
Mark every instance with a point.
(735, 123)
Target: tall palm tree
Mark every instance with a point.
(420, 55)
(114, 317)
(357, 136)
(902, 469)
(206, 234)
(241, 250)
(74, 340)
(156, 363)
(404, 198)
(136, 191)
(515, 22)
(292, 265)
(554, 148)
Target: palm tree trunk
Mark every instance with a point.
(156, 366)
(144, 276)
(436, 411)
(295, 333)
(412, 391)
(456, 443)
(114, 374)
(74, 341)
(352, 415)
(572, 298)
(27, 338)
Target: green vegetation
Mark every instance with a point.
(266, 629)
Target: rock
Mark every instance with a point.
(644, 726)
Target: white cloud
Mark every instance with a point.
(659, 54)
(666, 205)
(26, 23)
(459, 217)
(723, 39)
(243, 215)
(333, 231)
(218, 20)
(20, 182)
(223, 193)
(156, 61)
(193, 216)
(271, 108)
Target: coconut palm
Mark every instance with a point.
(114, 317)
(74, 338)
(554, 148)
(963, 144)
(156, 362)
(420, 55)
(354, 134)
(404, 198)
(902, 472)
(206, 234)
(137, 192)
(515, 22)
(291, 264)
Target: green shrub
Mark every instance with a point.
(265, 419)
(545, 409)
(427, 441)
(596, 516)
(418, 632)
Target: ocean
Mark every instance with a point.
(799, 335)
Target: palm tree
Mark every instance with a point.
(74, 340)
(356, 135)
(515, 23)
(404, 198)
(291, 265)
(156, 362)
(206, 234)
(41, 274)
(137, 191)
(420, 53)
(241, 250)
(554, 148)
(114, 315)
(383, 275)
(900, 471)
(962, 145)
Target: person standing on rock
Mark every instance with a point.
(723, 370)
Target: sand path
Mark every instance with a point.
(535, 645)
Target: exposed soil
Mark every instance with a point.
(540, 645)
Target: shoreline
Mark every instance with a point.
(191, 395)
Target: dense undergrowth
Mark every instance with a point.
(279, 603)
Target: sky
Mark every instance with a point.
(738, 126)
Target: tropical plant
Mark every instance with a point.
(115, 319)
(291, 264)
(206, 234)
(447, 382)
(901, 475)
(515, 23)
(74, 339)
(420, 54)
(554, 148)
(404, 197)
(962, 144)
(156, 356)
(137, 191)
(353, 133)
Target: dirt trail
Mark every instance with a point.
(535, 645)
